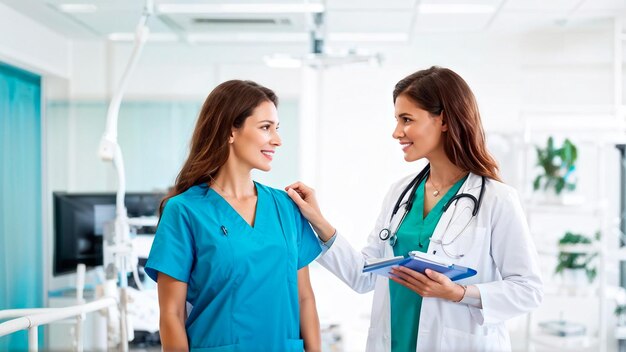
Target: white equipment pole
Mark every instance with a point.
(117, 244)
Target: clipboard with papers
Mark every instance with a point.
(419, 262)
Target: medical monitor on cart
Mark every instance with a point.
(79, 220)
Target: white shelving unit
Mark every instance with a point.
(619, 38)
(592, 205)
(593, 293)
(620, 333)
(603, 132)
(597, 129)
(568, 343)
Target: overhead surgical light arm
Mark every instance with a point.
(117, 246)
(109, 148)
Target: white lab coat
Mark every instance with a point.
(497, 244)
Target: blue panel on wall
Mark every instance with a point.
(21, 281)
(154, 137)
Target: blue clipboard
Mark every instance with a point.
(420, 262)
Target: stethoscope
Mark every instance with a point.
(386, 233)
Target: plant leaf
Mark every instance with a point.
(537, 182)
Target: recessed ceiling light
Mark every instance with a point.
(153, 37)
(455, 8)
(247, 37)
(368, 37)
(240, 8)
(77, 8)
(282, 61)
(321, 60)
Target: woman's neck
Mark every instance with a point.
(444, 173)
(235, 184)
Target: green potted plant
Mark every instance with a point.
(572, 262)
(558, 165)
(620, 313)
(620, 307)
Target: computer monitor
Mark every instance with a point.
(79, 220)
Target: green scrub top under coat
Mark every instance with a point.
(242, 280)
(405, 303)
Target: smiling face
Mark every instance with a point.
(253, 144)
(418, 131)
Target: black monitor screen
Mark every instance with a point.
(79, 220)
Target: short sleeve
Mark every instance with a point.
(308, 245)
(172, 250)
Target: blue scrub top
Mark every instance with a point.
(242, 280)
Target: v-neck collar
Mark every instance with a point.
(440, 204)
(233, 214)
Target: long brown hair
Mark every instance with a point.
(227, 106)
(439, 90)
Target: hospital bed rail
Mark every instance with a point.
(31, 318)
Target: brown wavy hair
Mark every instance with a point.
(440, 90)
(226, 107)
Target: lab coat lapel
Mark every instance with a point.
(472, 186)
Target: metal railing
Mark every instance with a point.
(31, 319)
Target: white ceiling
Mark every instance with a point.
(346, 20)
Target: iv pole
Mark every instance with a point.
(117, 245)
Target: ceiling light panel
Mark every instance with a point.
(239, 8)
(153, 37)
(77, 8)
(369, 21)
(455, 8)
(524, 22)
(603, 5)
(431, 23)
(248, 37)
(111, 16)
(372, 37)
(370, 5)
(216, 23)
(83, 6)
(117, 21)
(540, 5)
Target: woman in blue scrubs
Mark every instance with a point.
(235, 250)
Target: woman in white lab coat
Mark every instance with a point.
(438, 119)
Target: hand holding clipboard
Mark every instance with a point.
(419, 262)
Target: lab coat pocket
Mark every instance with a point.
(425, 340)
(375, 339)
(457, 340)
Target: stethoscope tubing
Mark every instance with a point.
(386, 233)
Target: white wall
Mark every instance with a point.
(31, 46)
(173, 71)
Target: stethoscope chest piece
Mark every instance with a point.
(384, 234)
